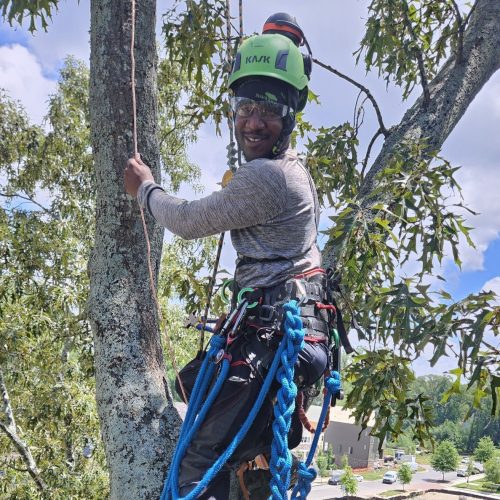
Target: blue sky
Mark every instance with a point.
(28, 72)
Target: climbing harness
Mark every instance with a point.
(217, 359)
(286, 356)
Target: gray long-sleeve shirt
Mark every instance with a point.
(271, 209)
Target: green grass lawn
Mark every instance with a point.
(390, 493)
(424, 458)
(480, 485)
(372, 475)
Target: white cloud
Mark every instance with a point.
(493, 285)
(22, 78)
(68, 33)
(480, 192)
(472, 145)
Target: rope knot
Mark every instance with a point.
(306, 476)
(333, 383)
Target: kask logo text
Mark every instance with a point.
(258, 59)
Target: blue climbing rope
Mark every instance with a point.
(281, 458)
(306, 473)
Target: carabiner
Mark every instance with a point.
(223, 290)
(242, 292)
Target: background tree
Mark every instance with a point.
(484, 450)
(404, 474)
(386, 212)
(445, 458)
(322, 462)
(492, 470)
(46, 356)
(469, 470)
(348, 482)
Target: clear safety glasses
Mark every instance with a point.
(243, 107)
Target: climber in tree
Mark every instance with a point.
(271, 209)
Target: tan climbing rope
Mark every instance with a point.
(146, 235)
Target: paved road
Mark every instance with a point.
(420, 481)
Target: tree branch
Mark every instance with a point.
(418, 55)
(461, 29)
(26, 198)
(10, 429)
(452, 91)
(362, 88)
(368, 151)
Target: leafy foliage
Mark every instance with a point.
(492, 469)
(196, 40)
(406, 40)
(485, 449)
(381, 379)
(404, 474)
(348, 482)
(372, 241)
(17, 10)
(47, 353)
(445, 458)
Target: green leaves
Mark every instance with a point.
(381, 380)
(195, 40)
(332, 161)
(445, 458)
(406, 40)
(18, 10)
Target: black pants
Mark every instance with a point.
(251, 358)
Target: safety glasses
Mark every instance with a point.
(243, 107)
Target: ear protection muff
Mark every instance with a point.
(302, 98)
(286, 25)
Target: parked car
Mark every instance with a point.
(337, 476)
(390, 477)
(476, 469)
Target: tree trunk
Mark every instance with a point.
(451, 91)
(139, 424)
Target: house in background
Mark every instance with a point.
(341, 436)
(344, 437)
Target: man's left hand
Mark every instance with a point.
(136, 172)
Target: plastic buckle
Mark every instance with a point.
(267, 313)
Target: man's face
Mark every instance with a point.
(256, 136)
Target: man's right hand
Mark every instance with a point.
(136, 172)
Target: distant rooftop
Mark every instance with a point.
(337, 414)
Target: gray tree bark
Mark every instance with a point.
(451, 91)
(138, 421)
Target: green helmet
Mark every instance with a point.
(270, 55)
